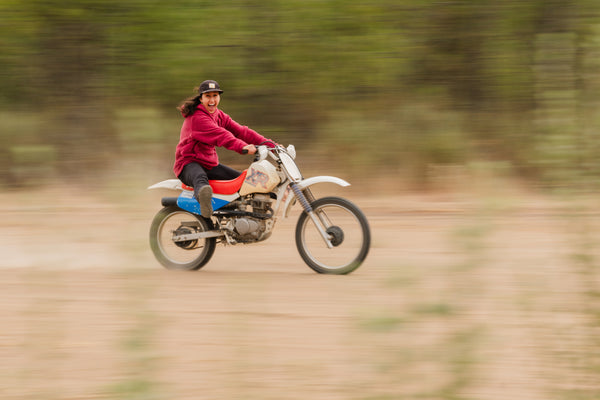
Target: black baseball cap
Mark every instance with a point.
(209, 86)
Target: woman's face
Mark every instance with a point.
(210, 101)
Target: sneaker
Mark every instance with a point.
(204, 196)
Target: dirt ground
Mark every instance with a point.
(461, 297)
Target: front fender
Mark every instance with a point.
(321, 179)
(303, 184)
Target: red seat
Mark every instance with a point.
(228, 187)
(224, 187)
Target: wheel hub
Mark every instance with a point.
(337, 235)
(187, 244)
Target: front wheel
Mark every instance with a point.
(189, 255)
(348, 233)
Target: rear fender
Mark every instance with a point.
(172, 184)
(305, 183)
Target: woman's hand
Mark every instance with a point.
(250, 148)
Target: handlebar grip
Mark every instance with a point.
(244, 151)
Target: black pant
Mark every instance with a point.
(195, 175)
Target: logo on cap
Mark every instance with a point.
(211, 85)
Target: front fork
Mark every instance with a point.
(319, 219)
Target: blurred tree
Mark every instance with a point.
(66, 59)
(290, 67)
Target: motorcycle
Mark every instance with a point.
(332, 234)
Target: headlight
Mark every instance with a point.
(290, 167)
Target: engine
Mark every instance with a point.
(251, 220)
(248, 229)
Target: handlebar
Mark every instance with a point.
(263, 150)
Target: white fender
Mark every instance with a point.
(309, 182)
(173, 184)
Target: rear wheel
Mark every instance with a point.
(188, 255)
(348, 232)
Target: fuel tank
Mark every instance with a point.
(262, 177)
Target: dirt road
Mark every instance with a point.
(460, 297)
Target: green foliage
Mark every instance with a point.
(419, 83)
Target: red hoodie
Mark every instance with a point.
(202, 132)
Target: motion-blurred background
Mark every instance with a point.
(396, 87)
(469, 129)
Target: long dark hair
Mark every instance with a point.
(189, 105)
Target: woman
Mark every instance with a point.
(206, 127)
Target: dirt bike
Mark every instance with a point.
(332, 234)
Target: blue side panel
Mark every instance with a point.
(218, 203)
(187, 202)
